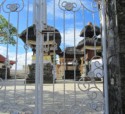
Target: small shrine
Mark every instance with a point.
(68, 65)
(91, 43)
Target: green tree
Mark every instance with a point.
(7, 32)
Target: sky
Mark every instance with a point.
(25, 21)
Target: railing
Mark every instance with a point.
(66, 72)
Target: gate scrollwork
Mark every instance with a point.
(67, 5)
(92, 100)
(9, 7)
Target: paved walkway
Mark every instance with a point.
(77, 97)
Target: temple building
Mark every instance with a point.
(68, 65)
(52, 40)
(90, 46)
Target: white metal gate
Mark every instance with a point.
(63, 53)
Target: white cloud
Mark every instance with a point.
(69, 37)
(88, 4)
(21, 59)
(3, 50)
(30, 8)
(58, 11)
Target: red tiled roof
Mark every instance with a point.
(2, 60)
(12, 62)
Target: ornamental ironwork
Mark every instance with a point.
(81, 94)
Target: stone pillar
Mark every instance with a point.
(47, 76)
(115, 17)
(121, 33)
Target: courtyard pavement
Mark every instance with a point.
(69, 97)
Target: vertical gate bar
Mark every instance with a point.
(41, 74)
(84, 42)
(7, 56)
(105, 57)
(39, 59)
(44, 12)
(16, 56)
(75, 61)
(36, 67)
(93, 14)
(54, 58)
(26, 49)
(64, 55)
(43, 25)
(37, 75)
(1, 5)
(116, 15)
(34, 11)
(0, 8)
(41, 22)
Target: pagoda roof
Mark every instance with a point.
(89, 42)
(70, 51)
(31, 31)
(88, 31)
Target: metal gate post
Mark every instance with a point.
(106, 110)
(39, 21)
